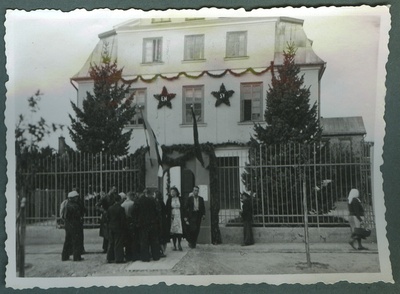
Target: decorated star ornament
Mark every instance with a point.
(164, 99)
(222, 96)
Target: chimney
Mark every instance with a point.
(61, 145)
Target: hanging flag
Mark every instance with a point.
(196, 140)
(154, 148)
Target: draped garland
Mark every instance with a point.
(187, 152)
(204, 72)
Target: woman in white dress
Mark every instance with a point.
(174, 208)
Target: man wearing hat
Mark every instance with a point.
(73, 217)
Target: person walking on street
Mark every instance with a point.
(247, 218)
(195, 213)
(356, 218)
(116, 231)
(175, 209)
(73, 215)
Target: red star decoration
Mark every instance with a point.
(164, 98)
(222, 96)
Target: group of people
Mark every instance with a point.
(137, 226)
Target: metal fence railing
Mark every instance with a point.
(274, 176)
(90, 174)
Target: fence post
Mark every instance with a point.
(315, 190)
(21, 249)
(101, 171)
(262, 189)
(56, 190)
(306, 237)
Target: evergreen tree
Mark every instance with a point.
(99, 125)
(281, 152)
(288, 115)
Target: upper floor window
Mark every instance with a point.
(251, 101)
(236, 44)
(160, 20)
(139, 99)
(194, 47)
(152, 49)
(193, 96)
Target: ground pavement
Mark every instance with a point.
(44, 245)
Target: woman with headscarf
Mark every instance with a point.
(174, 209)
(356, 217)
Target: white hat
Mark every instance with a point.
(72, 194)
(123, 195)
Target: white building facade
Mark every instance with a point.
(194, 58)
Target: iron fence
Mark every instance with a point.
(51, 178)
(274, 176)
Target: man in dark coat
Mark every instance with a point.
(148, 224)
(73, 236)
(195, 213)
(247, 217)
(116, 231)
(103, 204)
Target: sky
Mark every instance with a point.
(45, 48)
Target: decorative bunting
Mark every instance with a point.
(205, 72)
(222, 96)
(164, 99)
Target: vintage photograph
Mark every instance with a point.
(196, 146)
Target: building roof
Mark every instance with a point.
(287, 30)
(343, 126)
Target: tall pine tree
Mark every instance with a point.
(99, 125)
(280, 151)
(288, 115)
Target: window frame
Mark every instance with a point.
(156, 48)
(141, 105)
(186, 44)
(242, 106)
(229, 50)
(184, 103)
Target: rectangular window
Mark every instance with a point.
(251, 101)
(193, 95)
(152, 49)
(194, 47)
(139, 99)
(236, 44)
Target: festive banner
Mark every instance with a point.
(205, 72)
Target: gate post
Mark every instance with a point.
(262, 189)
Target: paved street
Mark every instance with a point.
(43, 259)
